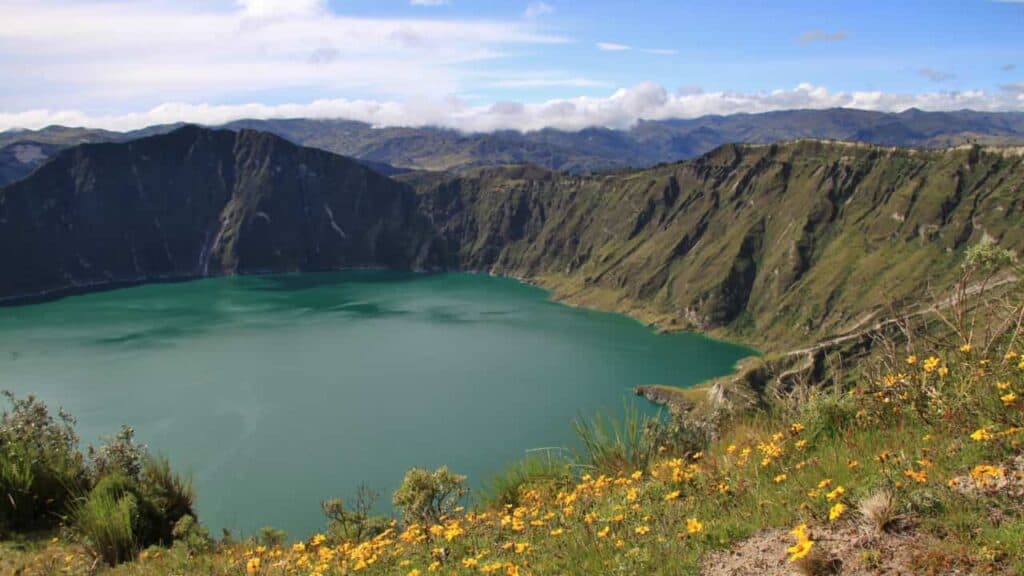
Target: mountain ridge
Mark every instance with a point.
(594, 149)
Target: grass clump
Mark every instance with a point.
(507, 487)
(609, 445)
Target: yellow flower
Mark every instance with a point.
(801, 444)
(252, 566)
(986, 474)
(694, 526)
(730, 449)
(779, 479)
(796, 428)
(641, 530)
(414, 572)
(930, 363)
(824, 483)
(318, 540)
(836, 511)
(298, 547)
(852, 464)
(522, 547)
(1009, 398)
(557, 532)
(604, 531)
(672, 495)
(835, 494)
(943, 371)
(803, 545)
(920, 477)
(1002, 386)
(981, 435)
(912, 359)
(966, 348)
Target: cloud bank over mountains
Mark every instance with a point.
(621, 109)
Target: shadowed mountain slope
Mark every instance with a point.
(199, 202)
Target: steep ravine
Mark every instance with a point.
(776, 245)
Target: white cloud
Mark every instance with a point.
(281, 8)
(111, 54)
(616, 47)
(613, 46)
(538, 9)
(620, 109)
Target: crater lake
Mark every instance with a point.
(278, 392)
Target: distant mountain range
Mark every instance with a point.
(775, 244)
(394, 150)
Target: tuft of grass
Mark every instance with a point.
(506, 487)
(105, 521)
(610, 446)
(879, 511)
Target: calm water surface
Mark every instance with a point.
(277, 392)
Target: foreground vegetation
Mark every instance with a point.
(917, 467)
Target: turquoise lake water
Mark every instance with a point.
(277, 392)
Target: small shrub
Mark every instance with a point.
(169, 493)
(827, 415)
(271, 537)
(426, 496)
(40, 466)
(191, 535)
(356, 523)
(118, 454)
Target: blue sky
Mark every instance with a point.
(481, 65)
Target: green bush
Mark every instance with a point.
(426, 496)
(114, 520)
(191, 535)
(40, 466)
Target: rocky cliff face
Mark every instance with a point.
(200, 202)
(776, 244)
